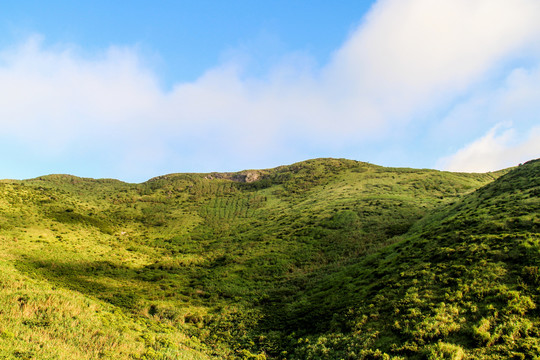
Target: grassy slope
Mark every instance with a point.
(191, 263)
(464, 283)
(45, 247)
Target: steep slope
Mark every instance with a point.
(463, 283)
(222, 264)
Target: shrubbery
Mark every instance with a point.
(325, 259)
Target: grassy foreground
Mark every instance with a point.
(324, 259)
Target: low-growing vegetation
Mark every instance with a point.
(323, 259)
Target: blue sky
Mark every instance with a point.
(182, 39)
(101, 89)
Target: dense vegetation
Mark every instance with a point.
(324, 259)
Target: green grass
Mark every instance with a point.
(462, 283)
(323, 259)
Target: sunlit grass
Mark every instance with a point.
(322, 259)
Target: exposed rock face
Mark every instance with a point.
(246, 176)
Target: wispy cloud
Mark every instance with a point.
(408, 59)
(498, 149)
(514, 101)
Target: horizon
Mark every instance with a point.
(101, 90)
(262, 169)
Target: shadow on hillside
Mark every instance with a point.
(118, 284)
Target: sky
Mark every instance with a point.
(134, 90)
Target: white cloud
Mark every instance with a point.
(496, 150)
(407, 58)
(515, 100)
(54, 97)
(412, 55)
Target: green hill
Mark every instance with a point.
(463, 283)
(323, 259)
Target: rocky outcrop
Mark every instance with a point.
(246, 176)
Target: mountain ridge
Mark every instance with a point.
(229, 175)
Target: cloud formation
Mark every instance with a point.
(514, 101)
(410, 55)
(408, 60)
(498, 149)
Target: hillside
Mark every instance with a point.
(323, 259)
(463, 283)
